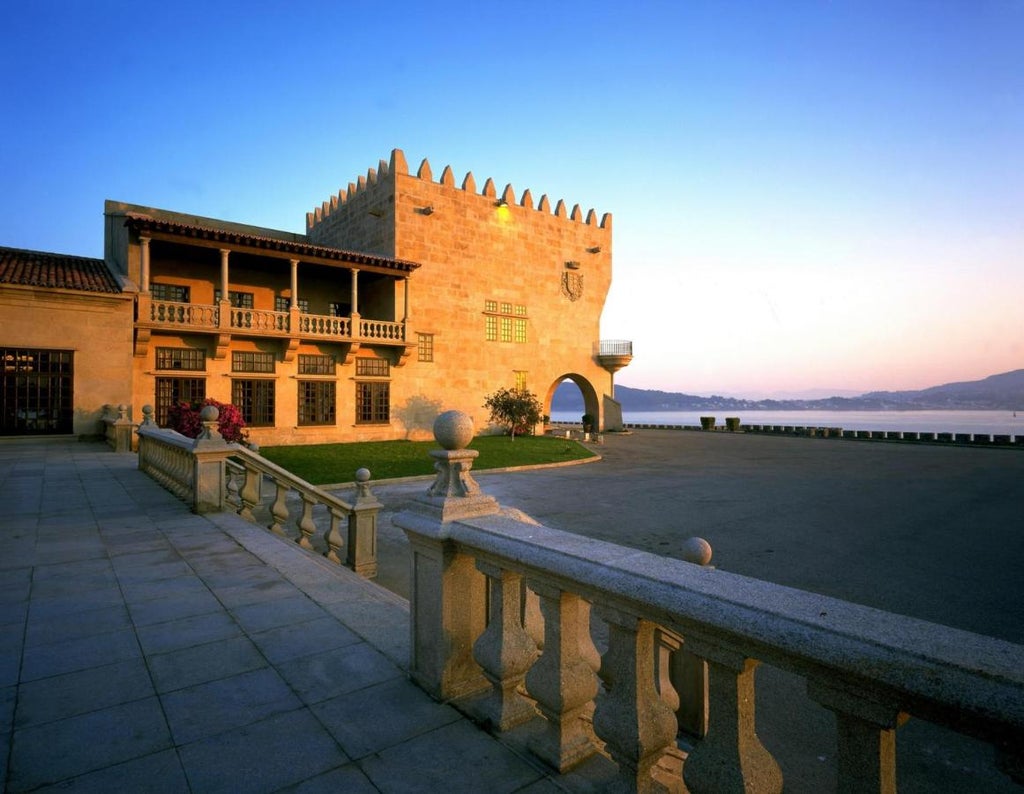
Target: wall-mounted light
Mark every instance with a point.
(376, 213)
(501, 203)
(572, 264)
(596, 249)
(427, 210)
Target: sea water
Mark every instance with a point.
(992, 422)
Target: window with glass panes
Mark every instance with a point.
(373, 367)
(505, 322)
(180, 358)
(425, 347)
(172, 293)
(239, 300)
(250, 361)
(254, 397)
(316, 365)
(283, 304)
(317, 402)
(373, 403)
(177, 390)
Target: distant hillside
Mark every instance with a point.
(995, 393)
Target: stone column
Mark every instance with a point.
(562, 681)
(448, 595)
(144, 245)
(362, 528)
(209, 453)
(295, 282)
(731, 758)
(866, 739)
(504, 651)
(637, 725)
(224, 311)
(355, 329)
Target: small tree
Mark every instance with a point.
(518, 410)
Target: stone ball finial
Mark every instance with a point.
(697, 551)
(209, 413)
(453, 430)
(147, 409)
(362, 475)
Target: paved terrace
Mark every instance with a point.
(149, 649)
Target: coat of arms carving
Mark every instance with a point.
(572, 285)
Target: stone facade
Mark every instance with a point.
(475, 247)
(407, 296)
(95, 327)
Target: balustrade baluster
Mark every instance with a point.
(251, 492)
(279, 509)
(333, 537)
(306, 525)
(730, 759)
(634, 720)
(562, 681)
(866, 739)
(504, 651)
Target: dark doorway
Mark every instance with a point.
(36, 396)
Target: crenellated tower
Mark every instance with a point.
(509, 292)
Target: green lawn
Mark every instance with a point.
(331, 463)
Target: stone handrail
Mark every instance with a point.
(260, 320)
(192, 314)
(324, 325)
(213, 475)
(382, 329)
(117, 427)
(482, 572)
(247, 471)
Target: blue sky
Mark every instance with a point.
(806, 194)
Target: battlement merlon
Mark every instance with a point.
(386, 173)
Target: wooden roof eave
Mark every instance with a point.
(274, 249)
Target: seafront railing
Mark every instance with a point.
(819, 431)
(213, 475)
(501, 627)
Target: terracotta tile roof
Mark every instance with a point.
(146, 223)
(57, 271)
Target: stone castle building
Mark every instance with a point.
(406, 297)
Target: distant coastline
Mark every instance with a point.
(1003, 392)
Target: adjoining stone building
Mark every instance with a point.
(405, 297)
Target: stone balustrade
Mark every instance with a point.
(165, 314)
(213, 475)
(116, 427)
(319, 514)
(501, 627)
(382, 330)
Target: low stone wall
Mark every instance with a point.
(503, 610)
(916, 436)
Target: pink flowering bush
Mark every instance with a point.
(185, 418)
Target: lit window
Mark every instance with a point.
(520, 329)
(490, 306)
(520, 380)
(491, 329)
(425, 347)
(506, 329)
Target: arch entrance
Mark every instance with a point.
(591, 399)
